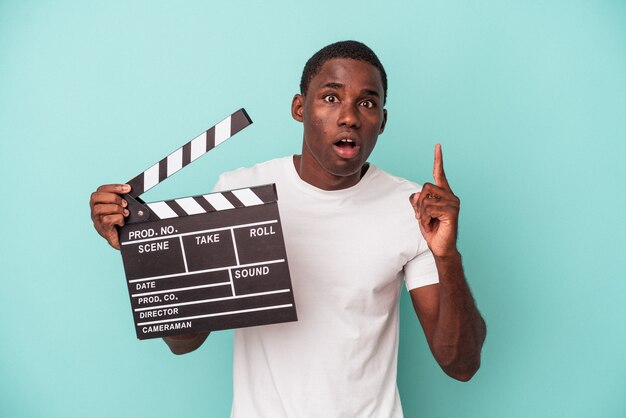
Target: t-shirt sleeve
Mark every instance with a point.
(235, 179)
(227, 181)
(219, 186)
(421, 270)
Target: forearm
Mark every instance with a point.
(183, 344)
(460, 330)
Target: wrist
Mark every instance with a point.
(453, 256)
(448, 262)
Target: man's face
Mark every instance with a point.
(343, 115)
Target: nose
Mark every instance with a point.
(349, 116)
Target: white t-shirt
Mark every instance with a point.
(348, 251)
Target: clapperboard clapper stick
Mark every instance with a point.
(208, 262)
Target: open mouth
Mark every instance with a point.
(345, 143)
(346, 148)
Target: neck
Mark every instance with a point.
(327, 181)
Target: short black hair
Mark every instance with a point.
(343, 49)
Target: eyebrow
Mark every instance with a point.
(371, 92)
(334, 85)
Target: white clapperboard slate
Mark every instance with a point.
(208, 262)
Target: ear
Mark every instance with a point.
(297, 107)
(382, 126)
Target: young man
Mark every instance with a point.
(351, 238)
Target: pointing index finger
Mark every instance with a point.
(438, 174)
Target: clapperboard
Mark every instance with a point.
(208, 262)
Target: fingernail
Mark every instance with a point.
(126, 212)
(124, 203)
(126, 188)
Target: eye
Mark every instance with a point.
(331, 98)
(367, 103)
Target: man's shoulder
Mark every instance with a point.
(264, 172)
(390, 181)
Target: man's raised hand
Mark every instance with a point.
(108, 209)
(437, 211)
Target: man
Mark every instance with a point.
(351, 237)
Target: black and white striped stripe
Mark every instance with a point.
(212, 202)
(189, 152)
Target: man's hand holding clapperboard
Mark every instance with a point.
(200, 263)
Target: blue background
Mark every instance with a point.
(528, 99)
